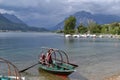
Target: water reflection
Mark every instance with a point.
(77, 76)
(43, 75)
(69, 40)
(49, 76)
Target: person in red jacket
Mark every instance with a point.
(49, 57)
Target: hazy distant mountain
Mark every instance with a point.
(12, 23)
(83, 17)
(13, 18)
(3, 19)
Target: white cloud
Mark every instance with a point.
(6, 11)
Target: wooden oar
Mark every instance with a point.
(66, 62)
(29, 67)
(73, 64)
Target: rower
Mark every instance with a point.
(49, 57)
(42, 59)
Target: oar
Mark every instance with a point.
(66, 62)
(29, 67)
(73, 64)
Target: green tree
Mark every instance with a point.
(93, 27)
(115, 28)
(114, 24)
(82, 29)
(105, 29)
(69, 25)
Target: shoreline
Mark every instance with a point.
(91, 36)
(113, 77)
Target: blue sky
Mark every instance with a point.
(47, 13)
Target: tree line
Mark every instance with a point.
(92, 27)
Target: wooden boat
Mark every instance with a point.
(59, 63)
(9, 71)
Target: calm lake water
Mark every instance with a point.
(97, 58)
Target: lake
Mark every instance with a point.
(97, 57)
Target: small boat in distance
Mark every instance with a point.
(56, 61)
(9, 71)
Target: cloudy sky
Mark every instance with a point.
(47, 13)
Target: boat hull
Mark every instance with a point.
(56, 71)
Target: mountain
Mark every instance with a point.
(13, 18)
(83, 17)
(3, 19)
(10, 22)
